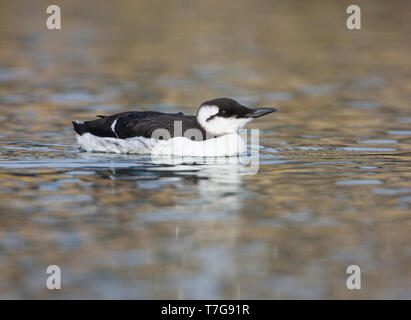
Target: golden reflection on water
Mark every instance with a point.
(334, 181)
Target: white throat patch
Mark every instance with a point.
(219, 125)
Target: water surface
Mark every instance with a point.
(334, 181)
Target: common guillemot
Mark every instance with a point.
(213, 131)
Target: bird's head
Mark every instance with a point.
(224, 115)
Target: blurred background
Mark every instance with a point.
(334, 180)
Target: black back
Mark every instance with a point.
(137, 124)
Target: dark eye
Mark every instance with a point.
(223, 112)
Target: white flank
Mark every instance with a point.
(91, 143)
(227, 145)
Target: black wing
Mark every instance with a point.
(136, 124)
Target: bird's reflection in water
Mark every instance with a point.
(212, 186)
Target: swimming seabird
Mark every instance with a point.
(213, 131)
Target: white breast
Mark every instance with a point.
(227, 145)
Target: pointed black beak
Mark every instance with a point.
(259, 112)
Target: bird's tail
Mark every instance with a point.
(79, 127)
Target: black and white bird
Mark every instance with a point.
(213, 131)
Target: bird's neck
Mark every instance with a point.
(206, 134)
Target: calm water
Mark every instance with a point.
(334, 180)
